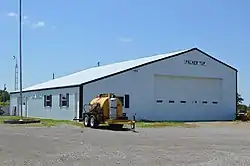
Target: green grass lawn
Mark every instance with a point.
(163, 124)
(43, 122)
(52, 122)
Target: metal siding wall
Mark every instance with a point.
(35, 107)
(135, 84)
(140, 85)
(13, 102)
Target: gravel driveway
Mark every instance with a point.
(67, 145)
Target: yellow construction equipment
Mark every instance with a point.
(106, 109)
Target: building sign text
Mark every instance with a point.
(192, 62)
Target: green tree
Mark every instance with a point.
(4, 96)
(239, 99)
(240, 106)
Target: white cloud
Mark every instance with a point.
(125, 39)
(39, 24)
(25, 18)
(27, 21)
(12, 14)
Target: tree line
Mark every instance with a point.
(240, 105)
(4, 97)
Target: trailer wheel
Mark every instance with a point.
(93, 122)
(86, 121)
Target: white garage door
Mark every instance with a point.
(186, 98)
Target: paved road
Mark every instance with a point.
(205, 145)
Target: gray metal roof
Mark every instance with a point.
(99, 72)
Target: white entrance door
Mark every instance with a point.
(24, 106)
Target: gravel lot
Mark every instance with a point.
(209, 145)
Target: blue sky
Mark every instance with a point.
(68, 36)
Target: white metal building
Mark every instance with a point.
(187, 85)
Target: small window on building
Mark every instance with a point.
(64, 100)
(159, 101)
(126, 102)
(171, 101)
(215, 102)
(121, 98)
(47, 100)
(204, 102)
(183, 101)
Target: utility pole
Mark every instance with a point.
(4, 90)
(20, 58)
(16, 74)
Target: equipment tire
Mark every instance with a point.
(93, 122)
(86, 121)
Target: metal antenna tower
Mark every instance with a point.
(16, 74)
